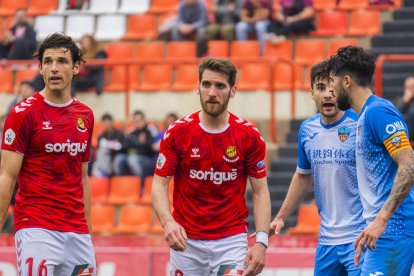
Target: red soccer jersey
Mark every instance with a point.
(210, 170)
(55, 141)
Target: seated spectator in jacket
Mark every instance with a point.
(24, 91)
(169, 119)
(90, 76)
(254, 19)
(226, 14)
(111, 144)
(405, 105)
(191, 21)
(19, 42)
(139, 159)
(291, 17)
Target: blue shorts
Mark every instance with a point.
(394, 255)
(336, 260)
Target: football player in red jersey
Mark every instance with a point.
(46, 147)
(211, 154)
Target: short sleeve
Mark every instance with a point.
(168, 157)
(255, 158)
(303, 165)
(87, 154)
(17, 130)
(388, 127)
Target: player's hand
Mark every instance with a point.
(368, 238)
(255, 260)
(276, 226)
(175, 236)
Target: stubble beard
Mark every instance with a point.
(215, 112)
(343, 100)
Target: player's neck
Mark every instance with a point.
(214, 123)
(331, 120)
(58, 97)
(359, 97)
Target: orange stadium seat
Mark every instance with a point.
(332, 23)
(25, 75)
(38, 7)
(163, 6)
(156, 227)
(254, 76)
(134, 77)
(99, 189)
(156, 77)
(245, 49)
(218, 48)
(181, 49)
(102, 217)
(364, 22)
(9, 7)
(117, 79)
(281, 50)
(282, 76)
(324, 4)
(353, 4)
(186, 77)
(308, 221)
(146, 194)
(120, 50)
(134, 219)
(141, 26)
(6, 80)
(124, 189)
(309, 51)
(150, 50)
(336, 43)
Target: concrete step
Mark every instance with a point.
(283, 165)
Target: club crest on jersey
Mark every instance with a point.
(343, 133)
(46, 125)
(9, 136)
(231, 152)
(195, 152)
(396, 141)
(80, 125)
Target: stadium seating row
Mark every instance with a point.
(110, 27)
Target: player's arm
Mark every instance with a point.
(300, 185)
(11, 163)
(174, 233)
(87, 195)
(256, 257)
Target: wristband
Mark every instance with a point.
(263, 238)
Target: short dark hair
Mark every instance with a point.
(353, 61)
(60, 40)
(107, 117)
(318, 72)
(139, 112)
(26, 82)
(219, 65)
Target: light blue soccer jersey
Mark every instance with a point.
(381, 131)
(328, 152)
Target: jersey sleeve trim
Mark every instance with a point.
(397, 142)
(303, 171)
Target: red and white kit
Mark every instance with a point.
(210, 170)
(55, 140)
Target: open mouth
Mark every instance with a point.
(55, 79)
(328, 105)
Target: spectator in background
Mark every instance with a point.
(19, 42)
(291, 17)
(169, 120)
(405, 105)
(139, 159)
(90, 76)
(191, 20)
(226, 14)
(111, 144)
(254, 18)
(24, 91)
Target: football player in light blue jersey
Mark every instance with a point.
(327, 159)
(385, 167)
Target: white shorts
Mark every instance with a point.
(210, 257)
(45, 252)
